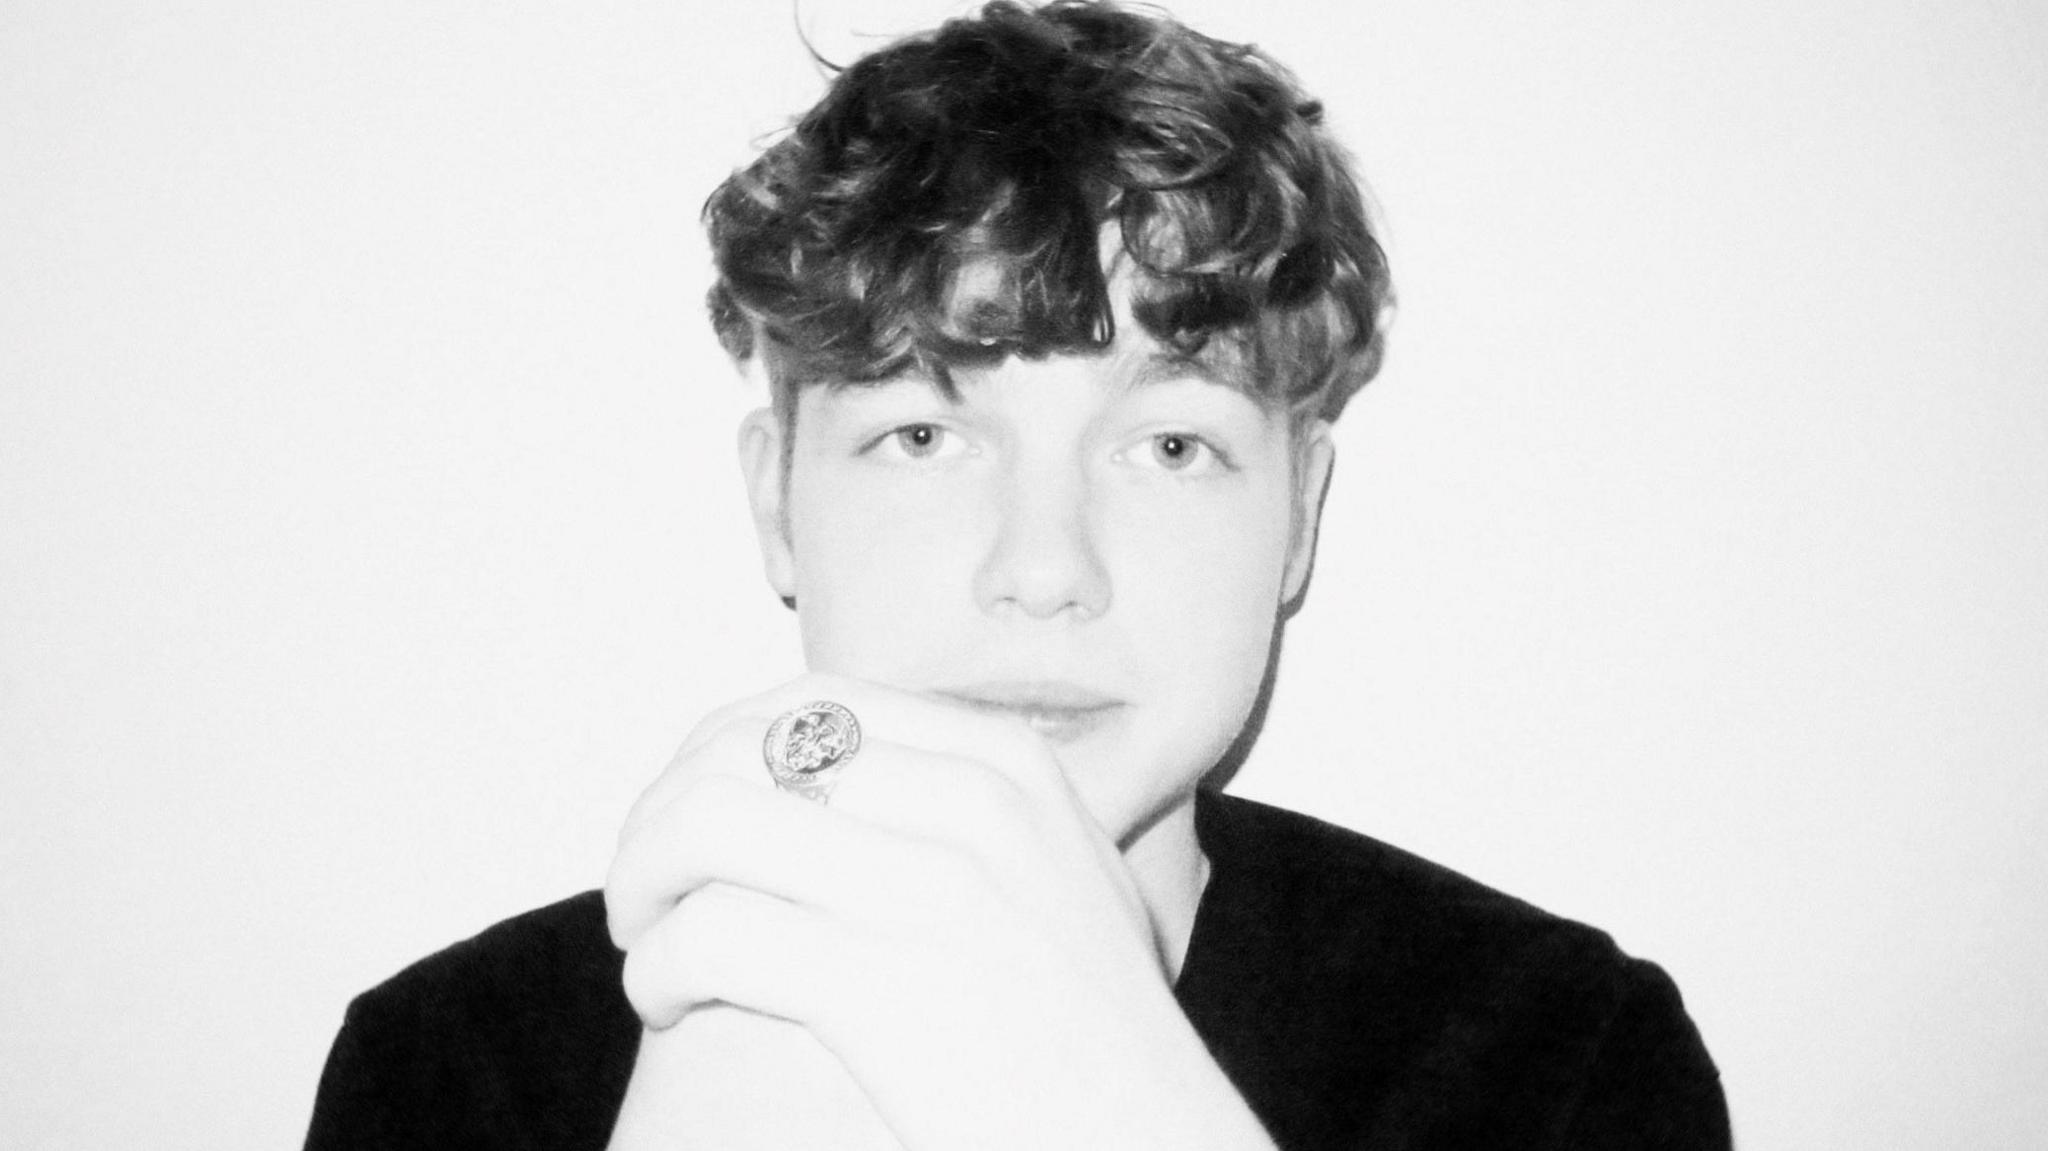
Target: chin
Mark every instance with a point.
(1124, 807)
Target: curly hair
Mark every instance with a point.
(945, 204)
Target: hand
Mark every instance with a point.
(954, 927)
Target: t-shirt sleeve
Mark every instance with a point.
(371, 1091)
(1652, 1083)
(519, 1038)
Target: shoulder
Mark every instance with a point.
(528, 964)
(1410, 998)
(522, 1027)
(565, 940)
(1366, 894)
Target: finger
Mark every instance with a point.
(712, 746)
(727, 945)
(702, 833)
(935, 725)
(938, 797)
(731, 738)
(985, 834)
(721, 829)
(883, 713)
(741, 723)
(753, 710)
(947, 733)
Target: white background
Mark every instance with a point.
(371, 528)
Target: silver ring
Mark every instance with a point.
(807, 747)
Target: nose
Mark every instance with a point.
(1043, 561)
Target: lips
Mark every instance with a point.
(1059, 711)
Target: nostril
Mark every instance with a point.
(1042, 567)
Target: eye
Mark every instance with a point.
(920, 441)
(1182, 452)
(1175, 451)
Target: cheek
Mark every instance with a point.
(878, 585)
(1205, 590)
(1197, 604)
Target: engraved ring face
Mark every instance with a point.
(808, 746)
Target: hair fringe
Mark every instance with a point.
(944, 203)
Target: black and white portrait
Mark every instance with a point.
(907, 574)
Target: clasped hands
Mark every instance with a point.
(954, 927)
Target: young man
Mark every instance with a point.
(1057, 306)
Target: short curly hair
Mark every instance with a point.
(945, 204)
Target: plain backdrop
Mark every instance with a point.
(370, 530)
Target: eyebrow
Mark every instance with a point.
(1165, 367)
(1150, 369)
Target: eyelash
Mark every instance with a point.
(901, 435)
(938, 442)
(1154, 443)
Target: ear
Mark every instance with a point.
(1316, 455)
(761, 462)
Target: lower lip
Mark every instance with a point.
(1065, 726)
(1058, 724)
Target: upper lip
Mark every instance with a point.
(1041, 695)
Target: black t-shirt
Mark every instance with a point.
(1359, 997)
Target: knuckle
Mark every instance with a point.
(623, 932)
(657, 859)
(706, 792)
(812, 685)
(997, 805)
(727, 737)
(1019, 751)
(989, 804)
(826, 683)
(737, 742)
(957, 882)
(637, 978)
(661, 975)
(650, 801)
(715, 719)
(633, 903)
(651, 985)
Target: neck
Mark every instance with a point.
(1167, 863)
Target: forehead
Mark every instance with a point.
(1138, 371)
(1132, 358)
(1133, 362)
